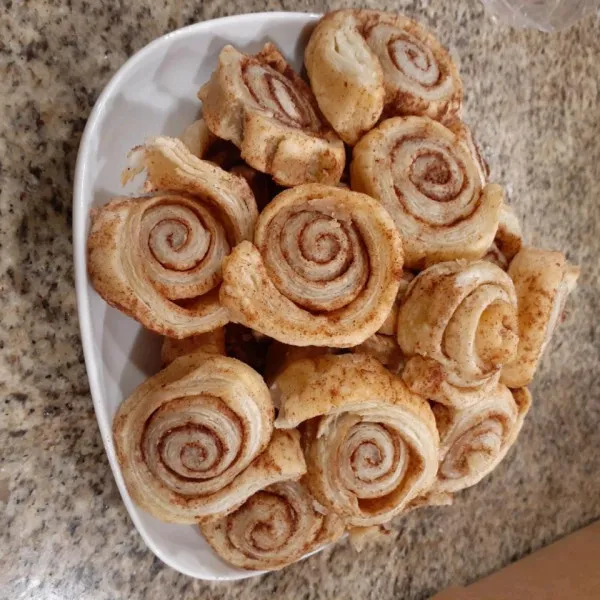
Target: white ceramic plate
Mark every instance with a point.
(153, 93)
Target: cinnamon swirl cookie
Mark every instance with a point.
(458, 324)
(364, 62)
(270, 113)
(431, 183)
(158, 258)
(194, 441)
(543, 281)
(473, 440)
(371, 446)
(324, 269)
(273, 528)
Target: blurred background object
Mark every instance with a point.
(546, 15)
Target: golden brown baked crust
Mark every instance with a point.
(429, 181)
(118, 273)
(543, 280)
(458, 325)
(189, 439)
(345, 75)
(371, 445)
(363, 62)
(146, 254)
(473, 440)
(270, 113)
(324, 269)
(273, 528)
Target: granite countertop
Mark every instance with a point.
(534, 103)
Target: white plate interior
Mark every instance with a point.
(154, 93)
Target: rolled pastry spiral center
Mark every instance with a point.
(414, 59)
(373, 460)
(317, 261)
(482, 333)
(194, 443)
(276, 94)
(475, 450)
(432, 168)
(181, 247)
(178, 237)
(497, 337)
(263, 524)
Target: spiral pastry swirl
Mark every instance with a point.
(370, 444)
(271, 115)
(273, 528)
(324, 269)
(158, 259)
(419, 75)
(430, 182)
(362, 63)
(458, 324)
(543, 281)
(188, 438)
(473, 440)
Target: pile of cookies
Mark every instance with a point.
(350, 317)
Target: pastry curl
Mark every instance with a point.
(158, 259)
(508, 240)
(273, 528)
(270, 113)
(324, 269)
(458, 324)
(345, 75)
(543, 281)
(429, 181)
(169, 165)
(371, 446)
(473, 440)
(191, 440)
(364, 62)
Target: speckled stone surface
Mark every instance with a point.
(534, 103)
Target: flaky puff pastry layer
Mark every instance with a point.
(458, 324)
(543, 280)
(195, 440)
(362, 63)
(371, 445)
(432, 184)
(473, 440)
(273, 528)
(267, 110)
(158, 258)
(324, 268)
